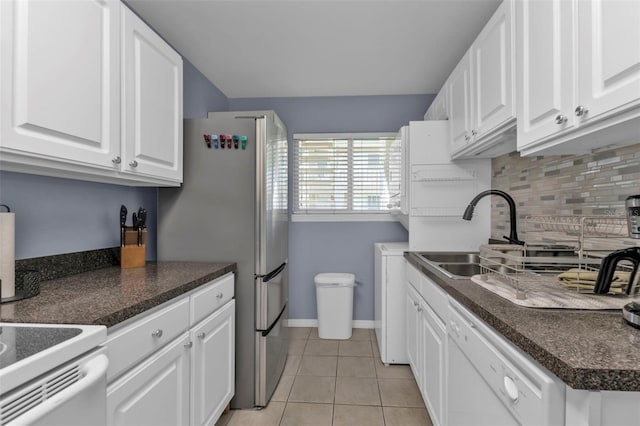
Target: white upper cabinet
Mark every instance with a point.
(88, 94)
(152, 102)
(609, 57)
(578, 70)
(459, 103)
(60, 81)
(482, 92)
(545, 68)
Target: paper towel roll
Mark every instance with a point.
(8, 254)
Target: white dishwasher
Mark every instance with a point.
(389, 301)
(490, 382)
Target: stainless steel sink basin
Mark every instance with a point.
(451, 257)
(456, 265)
(464, 270)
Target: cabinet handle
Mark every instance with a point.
(201, 335)
(581, 110)
(133, 163)
(157, 333)
(561, 119)
(188, 345)
(219, 296)
(116, 159)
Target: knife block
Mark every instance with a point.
(131, 254)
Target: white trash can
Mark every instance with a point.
(334, 294)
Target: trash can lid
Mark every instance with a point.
(334, 278)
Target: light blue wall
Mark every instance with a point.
(55, 216)
(331, 246)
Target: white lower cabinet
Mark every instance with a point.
(154, 393)
(433, 339)
(213, 365)
(176, 365)
(426, 340)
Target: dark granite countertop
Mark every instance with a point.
(111, 295)
(593, 350)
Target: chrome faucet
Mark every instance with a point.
(513, 233)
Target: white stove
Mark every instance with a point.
(52, 374)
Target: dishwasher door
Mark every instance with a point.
(74, 394)
(491, 382)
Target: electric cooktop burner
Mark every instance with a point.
(18, 343)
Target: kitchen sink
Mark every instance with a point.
(451, 257)
(464, 270)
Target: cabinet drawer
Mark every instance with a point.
(435, 297)
(133, 343)
(211, 298)
(413, 276)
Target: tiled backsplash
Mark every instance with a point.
(593, 184)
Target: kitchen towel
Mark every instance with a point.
(7, 254)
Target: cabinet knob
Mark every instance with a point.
(201, 335)
(467, 137)
(157, 333)
(133, 163)
(561, 119)
(219, 296)
(188, 345)
(419, 308)
(581, 110)
(474, 132)
(511, 388)
(116, 159)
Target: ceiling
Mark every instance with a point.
(291, 48)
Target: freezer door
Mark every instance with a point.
(272, 347)
(271, 297)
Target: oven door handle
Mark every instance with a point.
(93, 371)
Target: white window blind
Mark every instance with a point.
(344, 174)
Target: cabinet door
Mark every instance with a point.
(152, 104)
(60, 80)
(493, 69)
(459, 86)
(213, 373)
(154, 393)
(433, 361)
(544, 68)
(608, 56)
(413, 332)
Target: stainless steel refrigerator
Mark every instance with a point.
(232, 206)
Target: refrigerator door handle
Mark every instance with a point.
(268, 330)
(271, 275)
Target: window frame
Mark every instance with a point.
(334, 215)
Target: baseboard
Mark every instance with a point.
(314, 323)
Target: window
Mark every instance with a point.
(344, 174)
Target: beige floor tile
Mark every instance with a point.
(321, 347)
(296, 346)
(269, 416)
(392, 371)
(357, 415)
(298, 414)
(313, 365)
(376, 349)
(283, 389)
(313, 389)
(355, 348)
(292, 365)
(357, 391)
(360, 334)
(314, 333)
(400, 393)
(299, 332)
(396, 416)
(351, 366)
